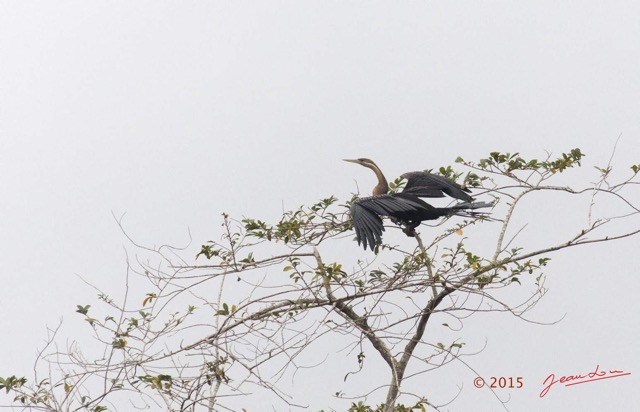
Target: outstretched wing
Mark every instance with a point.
(423, 184)
(366, 212)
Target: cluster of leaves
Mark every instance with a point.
(412, 264)
(215, 371)
(529, 266)
(294, 225)
(492, 272)
(42, 396)
(228, 254)
(297, 227)
(12, 383)
(119, 340)
(296, 274)
(488, 271)
(420, 406)
(330, 273)
(326, 273)
(394, 187)
(226, 310)
(159, 382)
(510, 162)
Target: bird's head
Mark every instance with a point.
(382, 187)
(363, 162)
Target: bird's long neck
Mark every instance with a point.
(382, 187)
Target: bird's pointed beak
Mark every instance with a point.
(351, 160)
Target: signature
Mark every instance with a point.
(570, 380)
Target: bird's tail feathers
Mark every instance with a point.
(465, 209)
(471, 205)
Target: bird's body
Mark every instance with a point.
(406, 207)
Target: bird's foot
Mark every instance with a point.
(410, 231)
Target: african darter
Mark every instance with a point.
(406, 207)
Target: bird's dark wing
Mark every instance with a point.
(366, 212)
(425, 184)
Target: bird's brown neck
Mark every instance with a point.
(382, 187)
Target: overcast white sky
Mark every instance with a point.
(173, 112)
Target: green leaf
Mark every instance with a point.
(83, 309)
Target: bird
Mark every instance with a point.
(406, 208)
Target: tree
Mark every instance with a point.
(194, 336)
